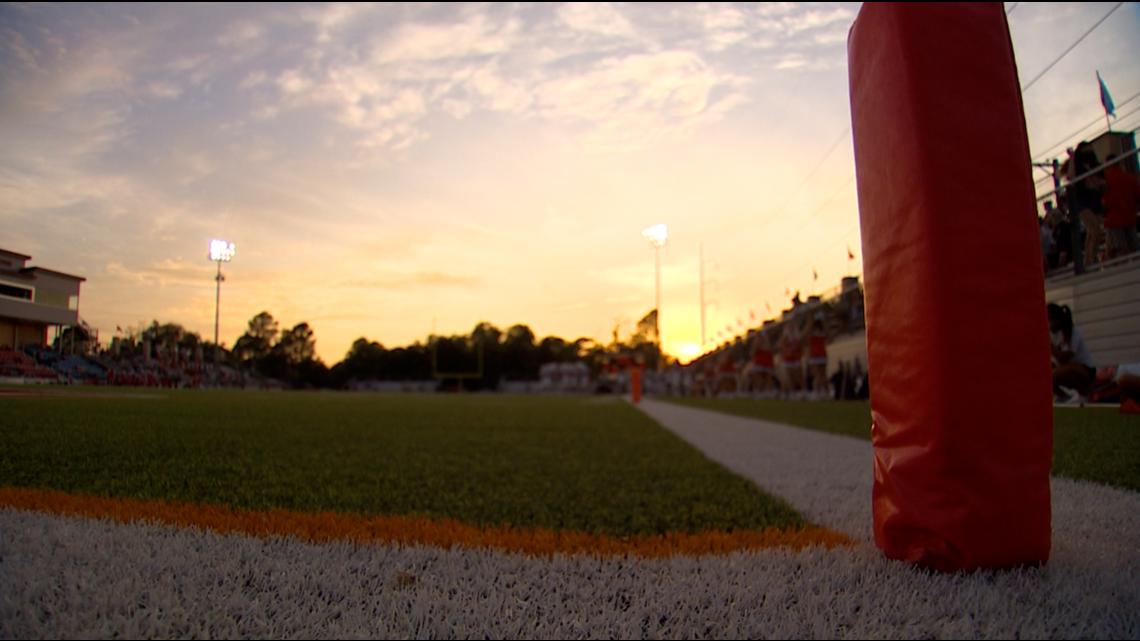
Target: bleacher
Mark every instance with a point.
(1105, 301)
(15, 364)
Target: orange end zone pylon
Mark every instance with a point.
(958, 346)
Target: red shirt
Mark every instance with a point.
(763, 358)
(1121, 197)
(792, 351)
(818, 346)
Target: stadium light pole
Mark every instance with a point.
(657, 235)
(220, 252)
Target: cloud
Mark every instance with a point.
(475, 37)
(254, 79)
(813, 18)
(330, 18)
(14, 42)
(458, 109)
(163, 90)
(791, 61)
(598, 18)
(241, 33)
(415, 280)
(499, 94)
(633, 99)
(162, 273)
(292, 81)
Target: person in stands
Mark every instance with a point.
(1073, 369)
(760, 371)
(726, 375)
(1121, 200)
(792, 354)
(1085, 199)
(817, 360)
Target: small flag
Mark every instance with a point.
(1105, 97)
(814, 276)
(118, 329)
(850, 256)
(751, 315)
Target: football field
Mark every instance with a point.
(314, 515)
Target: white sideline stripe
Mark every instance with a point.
(828, 477)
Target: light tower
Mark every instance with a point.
(657, 235)
(220, 252)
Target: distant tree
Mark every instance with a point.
(297, 345)
(488, 338)
(520, 356)
(513, 355)
(364, 361)
(412, 363)
(164, 333)
(311, 373)
(258, 340)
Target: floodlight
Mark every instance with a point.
(221, 250)
(656, 235)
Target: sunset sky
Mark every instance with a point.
(386, 170)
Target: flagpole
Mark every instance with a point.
(701, 249)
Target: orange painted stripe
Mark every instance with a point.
(321, 527)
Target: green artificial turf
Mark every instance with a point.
(1091, 444)
(557, 462)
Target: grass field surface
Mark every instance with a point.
(1089, 444)
(584, 464)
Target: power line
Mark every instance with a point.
(1071, 47)
(832, 196)
(1119, 123)
(1094, 121)
(1076, 179)
(782, 209)
(846, 237)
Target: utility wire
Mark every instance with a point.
(782, 209)
(1048, 150)
(1071, 47)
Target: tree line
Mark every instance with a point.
(480, 360)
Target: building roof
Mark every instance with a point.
(16, 254)
(53, 273)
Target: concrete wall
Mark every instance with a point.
(1106, 309)
(16, 334)
(34, 312)
(846, 349)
